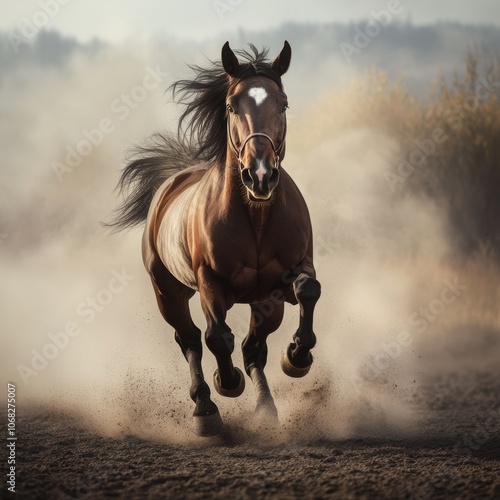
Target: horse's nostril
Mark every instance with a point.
(246, 177)
(275, 177)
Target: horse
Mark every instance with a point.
(224, 218)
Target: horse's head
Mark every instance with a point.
(256, 120)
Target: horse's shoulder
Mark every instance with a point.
(170, 190)
(182, 180)
(188, 176)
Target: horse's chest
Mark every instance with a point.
(251, 260)
(257, 272)
(255, 283)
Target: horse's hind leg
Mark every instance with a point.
(298, 359)
(265, 318)
(173, 301)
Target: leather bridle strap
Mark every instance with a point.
(277, 150)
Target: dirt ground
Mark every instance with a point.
(455, 453)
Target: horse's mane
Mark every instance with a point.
(203, 121)
(201, 134)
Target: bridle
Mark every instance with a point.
(238, 152)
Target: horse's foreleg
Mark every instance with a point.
(206, 417)
(298, 358)
(265, 318)
(215, 302)
(175, 310)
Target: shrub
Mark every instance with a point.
(462, 170)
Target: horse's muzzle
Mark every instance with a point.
(260, 185)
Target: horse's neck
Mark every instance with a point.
(234, 195)
(258, 217)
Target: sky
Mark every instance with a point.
(119, 20)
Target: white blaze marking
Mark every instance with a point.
(261, 171)
(259, 94)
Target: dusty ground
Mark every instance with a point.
(455, 453)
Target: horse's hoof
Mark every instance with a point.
(267, 412)
(230, 393)
(265, 420)
(290, 369)
(207, 425)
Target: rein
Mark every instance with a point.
(238, 152)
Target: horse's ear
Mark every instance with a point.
(282, 62)
(229, 60)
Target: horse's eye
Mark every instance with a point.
(230, 108)
(284, 108)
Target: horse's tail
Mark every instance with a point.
(163, 156)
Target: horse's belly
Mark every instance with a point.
(171, 239)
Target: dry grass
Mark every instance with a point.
(462, 171)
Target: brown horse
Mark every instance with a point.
(224, 218)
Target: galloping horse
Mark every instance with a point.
(222, 217)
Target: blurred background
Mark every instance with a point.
(394, 127)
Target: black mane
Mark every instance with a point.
(201, 134)
(203, 122)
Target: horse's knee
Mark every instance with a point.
(306, 288)
(254, 352)
(220, 340)
(190, 341)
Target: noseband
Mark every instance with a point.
(238, 152)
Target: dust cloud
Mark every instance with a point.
(80, 327)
